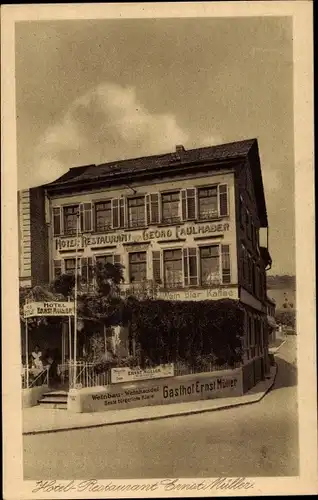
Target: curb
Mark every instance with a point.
(159, 417)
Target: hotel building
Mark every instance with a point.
(189, 222)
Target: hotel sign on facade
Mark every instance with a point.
(141, 236)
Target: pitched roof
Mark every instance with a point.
(214, 155)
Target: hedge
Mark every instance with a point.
(167, 331)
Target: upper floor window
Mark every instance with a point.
(103, 216)
(172, 263)
(170, 203)
(208, 202)
(136, 212)
(137, 267)
(70, 219)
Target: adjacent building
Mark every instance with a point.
(189, 222)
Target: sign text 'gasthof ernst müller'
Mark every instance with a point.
(146, 235)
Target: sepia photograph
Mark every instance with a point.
(158, 331)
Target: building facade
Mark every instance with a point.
(189, 222)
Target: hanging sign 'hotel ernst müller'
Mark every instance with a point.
(146, 235)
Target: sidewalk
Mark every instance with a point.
(43, 420)
(278, 344)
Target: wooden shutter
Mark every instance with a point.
(226, 264)
(117, 258)
(152, 208)
(57, 219)
(156, 267)
(57, 268)
(223, 200)
(84, 269)
(122, 210)
(115, 212)
(86, 216)
(188, 204)
(190, 266)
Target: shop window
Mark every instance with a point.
(137, 267)
(70, 216)
(172, 261)
(103, 216)
(152, 208)
(190, 266)
(170, 203)
(210, 265)
(136, 212)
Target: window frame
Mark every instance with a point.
(128, 200)
(140, 261)
(95, 209)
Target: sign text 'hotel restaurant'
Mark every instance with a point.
(147, 235)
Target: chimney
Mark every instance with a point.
(179, 152)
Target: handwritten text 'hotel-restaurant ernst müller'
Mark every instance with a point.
(176, 232)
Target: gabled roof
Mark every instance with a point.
(134, 168)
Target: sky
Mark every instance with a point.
(92, 91)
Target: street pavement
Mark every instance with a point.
(253, 440)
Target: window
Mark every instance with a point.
(226, 267)
(136, 212)
(208, 203)
(190, 266)
(137, 267)
(70, 219)
(188, 204)
(152, 208)
(156, 267)
(69, 265)
(172, 260)
(104, 259)
(103, 216)
(56, 221)
(170, 203)
(210, 265)
(57, 269)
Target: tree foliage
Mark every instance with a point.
(286, 317)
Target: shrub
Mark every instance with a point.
(166, 331)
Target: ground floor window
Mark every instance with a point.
(137, 267)
(210, 265)
(172, 263)
(69, 266)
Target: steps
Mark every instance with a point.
(54, 400)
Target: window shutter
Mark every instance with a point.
(186, 266)
(191, 203)
(86, 217)
(156, 267)
(226, 264)
(84, 269)
(154, 208)
(148, 209)
(183, 204)
(57, 268)
(223, 200)
(122, 212)
(117, 258)
(115, 213)
(193, 266)
(57, 217)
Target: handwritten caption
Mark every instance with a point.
(169, 485)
